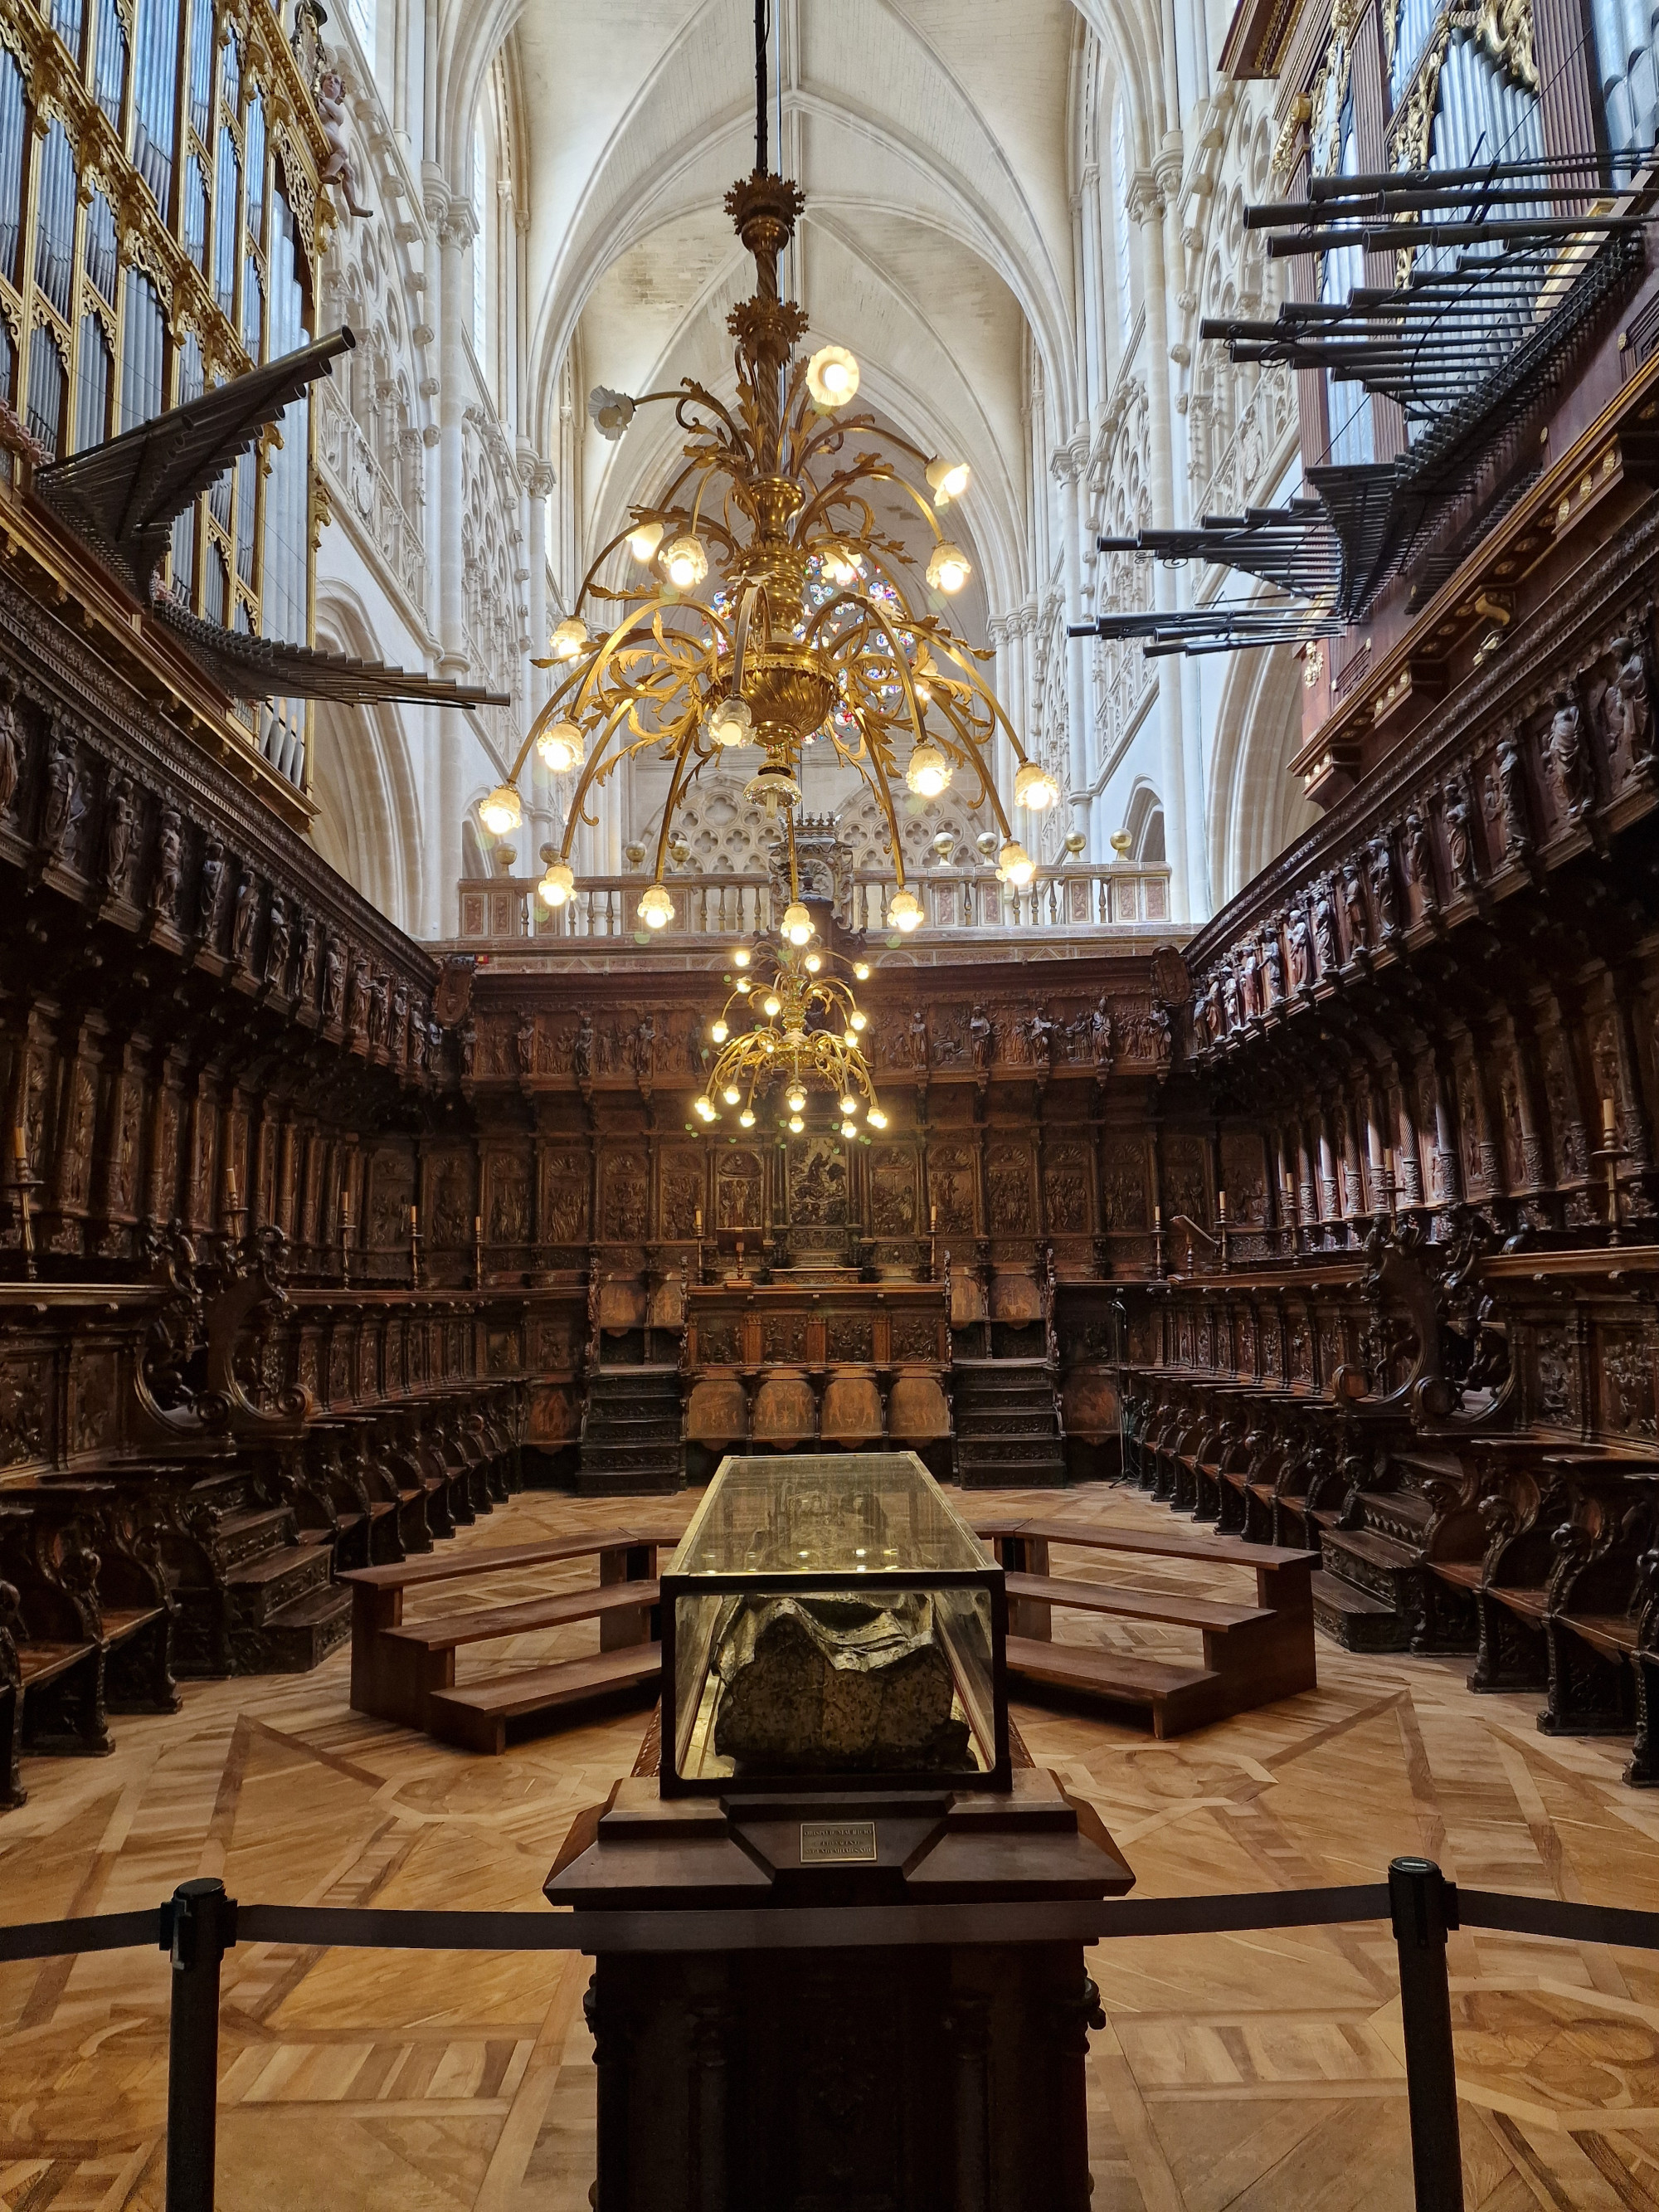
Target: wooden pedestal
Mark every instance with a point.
(766, 2042)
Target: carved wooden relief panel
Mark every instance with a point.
(893, 1190)
(1186, 1179)
(1123, 1183)
(817, 1182)
(737, 1188)
(391, 1194)
(564, 1197)
(952, 1187)
(507, 1188)
(623, 1186)
(1009, 1179)
(447, 1215)
(1067, 1181)
(682, 1175)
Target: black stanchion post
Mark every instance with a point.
(198, 1926)
(1424, 1906)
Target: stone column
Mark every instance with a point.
(1146, 210)
(1067, 467)
(457, 757)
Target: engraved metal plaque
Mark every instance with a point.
(832, 1843)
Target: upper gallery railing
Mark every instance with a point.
(955, 901)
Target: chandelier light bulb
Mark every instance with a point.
(849, 1128)
(850, 1040)
(568, 638)
(832, 376)
(947, 480)
(797, 923)
(861, 970)
(771, 1006)
(557, 885)
(948, 567)
(772, 786)
(562, 746)
(729, 724)
(742, 956)
(929, 771)
(876, 1118)
(848, 1107)
(795, 1099)
(685, 563)
(656, 908)
(796, 1124)
(841, 567)
(769, 1044)
(746, 1119)
(1016, 866)
(860, 1021)
(731, 1094)
(814, 961)
(745, 985)
(719, 1032)
(705, 1108)
(904, 912)
(643, 541)
(501, 811)
(1035, 788)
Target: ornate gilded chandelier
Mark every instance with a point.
(805, 1033)
(773, 608)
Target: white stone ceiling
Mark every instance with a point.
(931, 138)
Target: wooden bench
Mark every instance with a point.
(478, 1718)
(406, 1672)
(1252, 1654)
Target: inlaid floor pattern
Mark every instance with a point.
(1248, 2072)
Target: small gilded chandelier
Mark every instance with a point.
(773, 608)
(806, 1035)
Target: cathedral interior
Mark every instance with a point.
(859, 807)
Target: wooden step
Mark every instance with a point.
(1178, 1697)
(476, 1718)
(1134, 1604)
(453, 1567)
(1230, 1551)
(498, 1620)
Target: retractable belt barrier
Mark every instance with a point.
(198, 1924)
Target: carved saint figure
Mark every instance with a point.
(169, 864)
(120, 831)
(417, 1042)
(644, 1048)
(1417, 859)
(1564, 756)
(1384, 897)
(1353, 905)
(524, 1045)
(11, 743)
(242, 920)
(59, 805)
(1273, 965)
(358, 1016)
(1506, 798)
(333, 979)
(1324, 927)
(277, 942)
(210, 890)
(1459, 845)
(1228, 1000)
(337, 168)
(399, 1038)
(1250, 976)
(1627, 708)
(918, 1039)
(1040, 1032)
(377, 1004)
(1163, 1042)
(581, 1058)
(1300, 955)
(981, 1037)
(1100, 1032)
(469, 1049)
(308, 951)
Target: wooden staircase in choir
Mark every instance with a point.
(1253, 1654)
(631, 1443)
(1006, 1419)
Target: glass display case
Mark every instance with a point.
(829, 1619)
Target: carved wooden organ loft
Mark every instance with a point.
(1335, 1225)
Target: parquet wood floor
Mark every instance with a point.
(1243, 2072)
